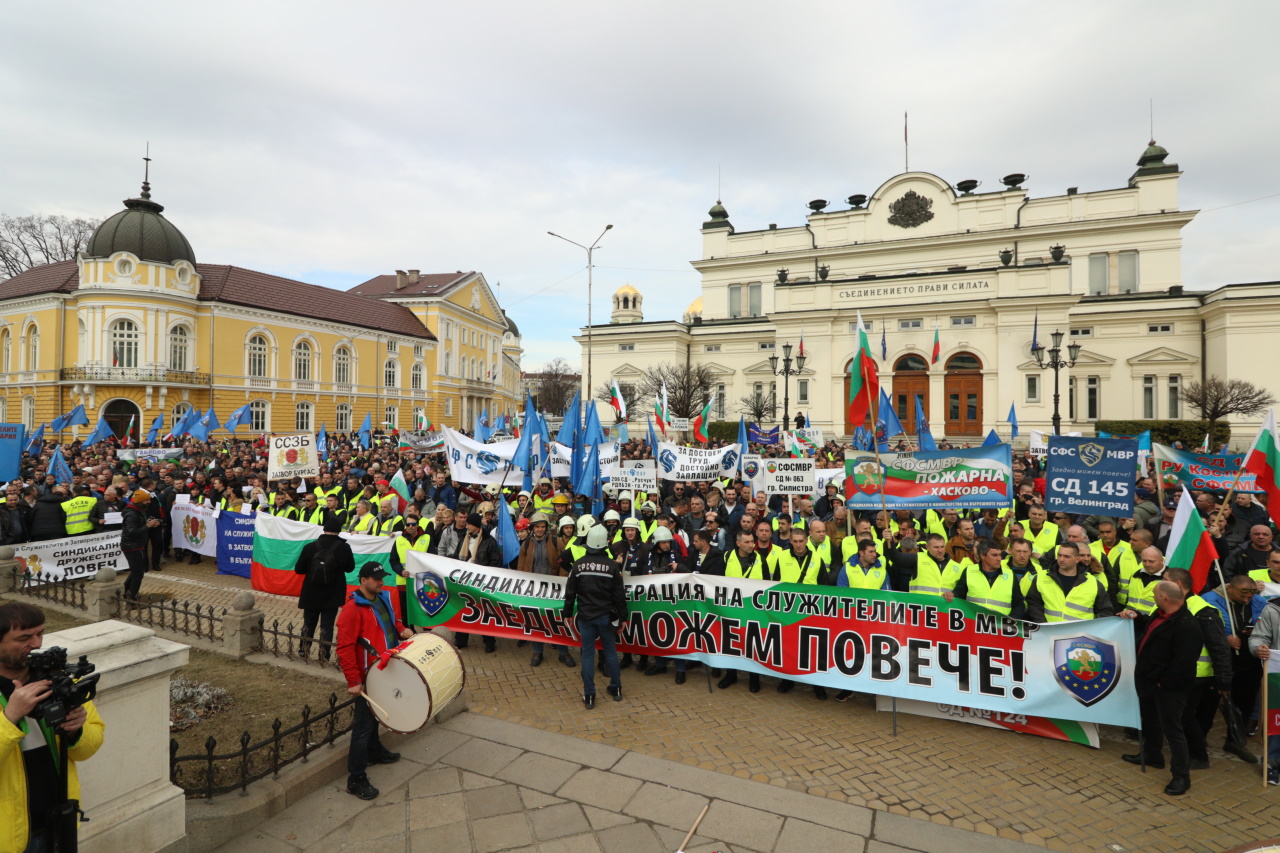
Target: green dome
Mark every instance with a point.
(141, 230)
(1154, 155)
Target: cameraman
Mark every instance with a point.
(28, 748)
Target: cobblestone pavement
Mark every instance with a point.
(1000, 784)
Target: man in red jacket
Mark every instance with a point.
(366, 621)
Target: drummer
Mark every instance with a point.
(366, 620)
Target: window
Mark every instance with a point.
(866, 324)
(963, 361)
(1127, 272)
(343, 418)
(964, 322)
(448, 330)
(911, 325)
(802, 391)
(302, 417)
(911, 362)
(1099, 274)
(6, 350)
(1149, 397)
(1033, 387)
(1175, 396)
(391, 418)
(713, 347)
(124, 344)
(258, 357)
(302, 361)
(448, 363)
(1071, 398)
(33, 348)
(1082, 333)
(1160, 329)
(735, 301)
(754, 300)
(179, 347)
(1091, 399)
(720, 402)
(124, 266)
(4, 409)
(473, 371)
(415, 377)
(258, 420)
(392, 346)
(417, 350)
(29, 412)
(766, 345)
(342, 366)
(626, 347)
(448, 407)
(391, 373)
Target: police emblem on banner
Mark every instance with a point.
(430, 591)
(1091, 454)
(751, 468)
(1086, 667)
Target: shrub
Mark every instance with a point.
(193, 701)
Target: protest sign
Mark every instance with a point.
(972, 478)
(810, 437)
(678, 424)
(11, 443)
(637, 475)
(1202, 471)
(195, 528)
(1091, 476)
(759, 435)
(897, 644)
(822, 476)
(72, 557)
(151, 454)
(696, 463)
(476, 463)
(292, 456)
(1068, 730)
(787, 476)
(421, 441)
(235, 543)
(1038, 446)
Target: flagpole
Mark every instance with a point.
(1226, 502)
(875, 414)
(1266, 712)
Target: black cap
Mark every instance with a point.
(332, 524)
(1170, 503)
(373, 569)
(475, 520)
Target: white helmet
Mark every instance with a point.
(491, 489)
(631, 524)
(609, 490)
(524, 494)
(626, 495)
(662, 534)
(566, 521)
(597, 538)
(611, 515)
(584, 524)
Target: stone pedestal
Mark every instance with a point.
(127, 796)
(8, 576)
(100, 596)
(242, 626)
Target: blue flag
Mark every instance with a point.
(572, 423)
(588, 482)
(923, 436)
(884, 343)
(506, 535)
(991, 440)
(156, 426)
(888, 417)
(186, 422)
(58, 424)
(208, 423)
(58, 466)
(322, 443)
(523, 457)
(34, 443)
(238, 418)
(593, 433)
(762, 436)
(742, 440)
(653, 438)
(101, 432)
(480, 429)
(1013, 421)
(78, 417)
(366, 432)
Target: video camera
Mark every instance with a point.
(70, 685)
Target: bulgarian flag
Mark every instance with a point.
(937, 344)
(128, 433)
(616, 400)
(278, 542)
(864, 385)
(796, 445)
(400, 486)
(700, 422)
(1190, 547)
(660, 409)
(1272, 692)
(1263, 462)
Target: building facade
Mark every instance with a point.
(989, 272)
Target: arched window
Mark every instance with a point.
(258, 419)
(6, 350)
(963, 361)
(392, 418)
(911, 362)
(448, 363)
(448, 407)
(33, 347)
(344, 418)
(415, 377)
(4, 409)
(342, 366)
(29, 412)
(391, 373)
(258, 357)
(124, 344)
(302, 417)
(178, 411)
(302, 360)
(471, 373)
(179, 348)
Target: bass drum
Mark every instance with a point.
(420, 678)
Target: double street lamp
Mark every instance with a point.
(589, 250)
(1055, 363)
(786, 373)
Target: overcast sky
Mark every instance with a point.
(331, 142)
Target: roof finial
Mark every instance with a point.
(146, 174)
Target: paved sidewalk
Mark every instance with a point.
(479, 784)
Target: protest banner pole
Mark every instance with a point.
(875, 412)
(1231, 618)
(1266, 722)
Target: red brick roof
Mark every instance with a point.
(239, 286)
(430, 284)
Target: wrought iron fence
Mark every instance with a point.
(289, 642)
(134, 374)
(206, 776)
(203, 621)
(46, 587)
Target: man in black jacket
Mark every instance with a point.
(595, 590)
(1168, 647)
(478, 547)
(324, 565)
(48, 521)
(134, 535)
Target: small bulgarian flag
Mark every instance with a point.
(796, 445)
(1273, 695)
(1263, 462)
(660, 409)
(864, 384)
(616, 400)
(701, 421)
(400, 486)
(128, 433)
(1190, 546)
(937, 344)
(278, 542)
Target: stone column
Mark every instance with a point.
(100, 596)
(9, 570)
(242, 626)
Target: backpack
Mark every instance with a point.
(322, 569)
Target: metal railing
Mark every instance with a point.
(288, 642)
(134, 374)
(46, 587)
(202, 621)
(208, 775)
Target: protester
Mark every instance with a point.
(595, 595)
(324, 565)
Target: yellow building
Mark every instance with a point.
(135, 328)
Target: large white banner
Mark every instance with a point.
(697, 463)
(72, 557)
(195, 528)
(473, 462)
(292, 456)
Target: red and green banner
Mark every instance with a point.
(278, 542)
(1263, 462)
(971, 478)
(905, 645)
(1046, 727)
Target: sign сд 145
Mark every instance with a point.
(1094, 476)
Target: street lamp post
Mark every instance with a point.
(786, 373)
(589, 250)
(1055, 363)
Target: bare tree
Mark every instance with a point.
(759, 408)
(632, 397)
(689, 386)
(556, 384)
(30, 241)
(1216, 398)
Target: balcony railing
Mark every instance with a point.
(134, 374)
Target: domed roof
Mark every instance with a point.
(141, 230)
(511, 324)
(626, 288)
(1154, 155)
(695, 307)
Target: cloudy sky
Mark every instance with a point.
(331, 142)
